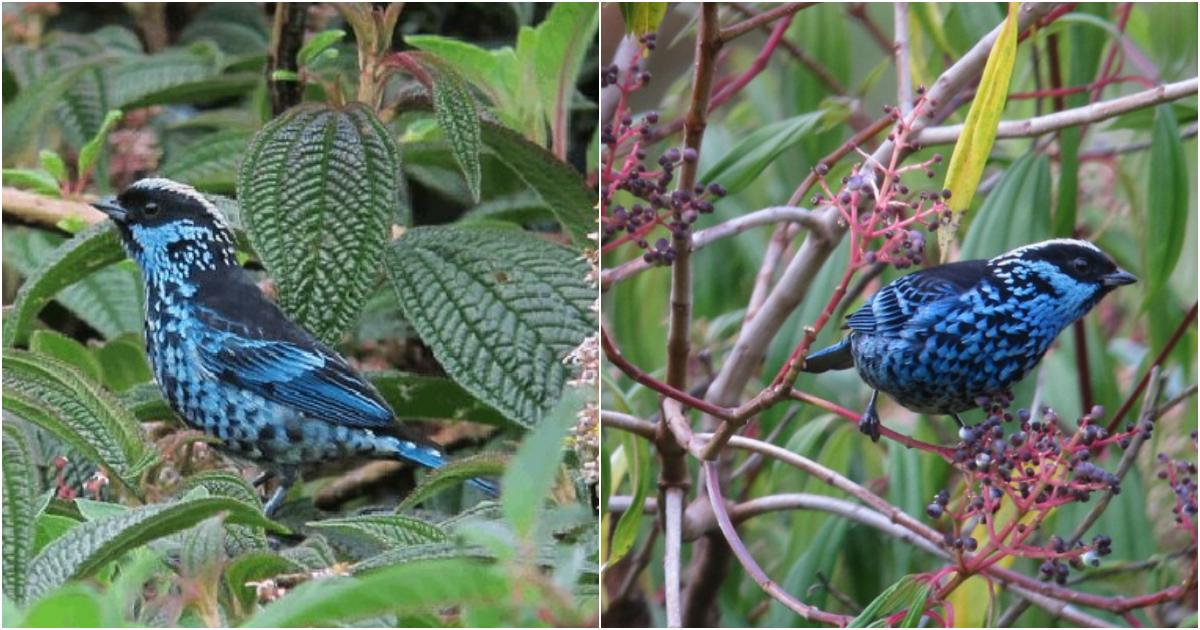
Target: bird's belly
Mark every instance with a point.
(942, 373)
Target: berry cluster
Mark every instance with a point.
(1038, 467)
(655, 204)
(1181, 475)
(612, 74)
(875, 203)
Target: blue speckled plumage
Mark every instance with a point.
(940, 339)
(228, 360)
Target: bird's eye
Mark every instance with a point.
(1082, 265)
(150, 209)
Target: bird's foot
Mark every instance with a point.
(869, 423)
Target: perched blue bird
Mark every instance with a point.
(228, 360)
(943, 339)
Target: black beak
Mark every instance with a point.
(110, 207)
(1118, 278)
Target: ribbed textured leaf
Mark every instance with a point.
(56, 397)
(144, 80)
(417, 586)
(500, 308)
(318, 190)
(20, 510)
(423, 552)
(253, 567)
(455, 109)
(387, 530)
(112, 309)
(26, 115)
(210, 163)
(239, 539)
(89, 546)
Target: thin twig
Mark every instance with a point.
(817, 68)
(287, 37)
(703, 238)
(766, 17)
(1158, 360)
(1074, 117)
(35, 208)
(672, 544)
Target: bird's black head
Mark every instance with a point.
(1077, 272)
(163, 222)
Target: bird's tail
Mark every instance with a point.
(431, 457)
(835, 357)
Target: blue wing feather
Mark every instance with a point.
(890, 309)
(300, 373)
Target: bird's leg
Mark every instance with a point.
(961, 424)
(287, 477)
(869, 424)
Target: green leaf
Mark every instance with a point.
(408, 587)
(562, 41)
(534, 469)
(1015, 213)
(89, 251)
(386, 530)
(56, 397)
(54, 164)
(500, 308)
(318, 191)
(163, 78)
(738, 168)
(239, 539)
(72, 606)
(561, 188)
(55, 344)
(123, 363)
(237, 28)
(638, 456)
(255, 567)
(317, 44)
(430, 397)
(87, 547)
(91, 150)
(910, 594)
(457, 115)
(20, 510)
(1167, 204)
(26, 114)
(36, 180)
(209, 163)
(979, 132)
(642, 17)
(453, 475)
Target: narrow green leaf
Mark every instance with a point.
(1167, 203)
(458, 116)
(20, 510)
(87, 547)
(534, 468)
(453, 475)
(318, 191)
(89, 251)
(91, 150)
(386, 530)
(1015, 213)
(910, 594)
(642, 17)
(72, 606)
(54, 164)
(36, 180)
(747, 160)
(500, 308)
(628, 527)
(407, 587)
(979, 132)
(56, 397)
(317, 44)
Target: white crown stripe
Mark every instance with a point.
(161, 183)
(1009, 258)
